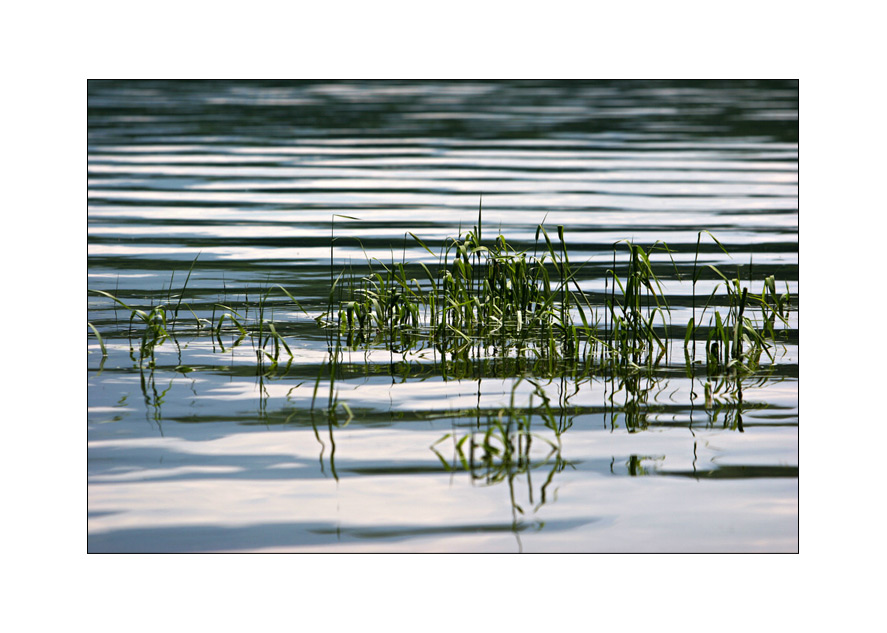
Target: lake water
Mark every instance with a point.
(204, 448)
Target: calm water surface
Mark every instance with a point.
(200, 452)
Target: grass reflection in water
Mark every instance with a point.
(490, 310)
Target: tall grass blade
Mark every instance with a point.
(99, 337)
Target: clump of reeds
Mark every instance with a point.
(489, 299)
(158, 323)
(155, 322)
(632, 336)
(483, 296)
(478, 295)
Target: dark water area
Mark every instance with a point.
(203, 448)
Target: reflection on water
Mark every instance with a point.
(524, 441)
(218, 440)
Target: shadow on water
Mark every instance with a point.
(283, 536)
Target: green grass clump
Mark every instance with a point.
(491, 299)
(478, 297)
(158, 324)
(487, 299)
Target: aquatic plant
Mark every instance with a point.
(735, 341)
(154, 320)
(632, 334)
(486, 296)
(99, 337)
(159, 325)
(488, 299)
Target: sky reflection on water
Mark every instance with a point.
(199, 453)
